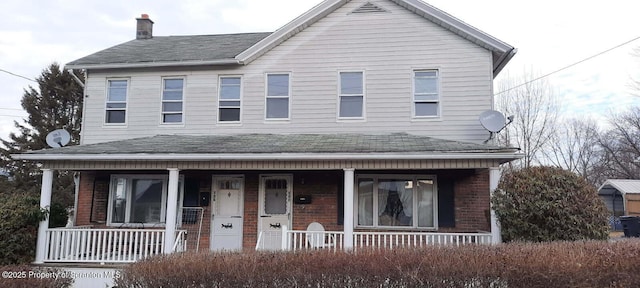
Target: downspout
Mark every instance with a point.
(76, 78)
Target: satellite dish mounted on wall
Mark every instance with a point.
(58, 138)
(494, 122)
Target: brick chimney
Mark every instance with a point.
(144, 29)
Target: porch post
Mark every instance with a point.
(494, 179)
(45, 203)
(348, 208)
(172, 210)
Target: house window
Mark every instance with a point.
(396, 201)
(229, 99)
(426, 93)
(138, 199)
(351, 95)
(116, 106)
(278, 93)
(172, 100)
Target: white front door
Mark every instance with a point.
(227, 204)
(275, 209)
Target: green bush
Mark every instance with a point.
(514, 265)
(23, 276)
(19, 218)
(548, 204)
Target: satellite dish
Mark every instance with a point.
(58, 138)
(492, 120)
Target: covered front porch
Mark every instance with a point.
(133, 204)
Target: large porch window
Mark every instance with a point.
(140, 199)
(396, 201)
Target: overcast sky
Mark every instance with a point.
(549, 34)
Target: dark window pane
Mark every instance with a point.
(275, 196)
(117, 94)
(172, 118)
(172, 95)
(395, 202)
(351, 83)
(172, 107)
(426, 85)
(146, 201)
(229, 114)
(426, 109)
(427, 73)
(230, 81)
(351, 106)
(278, 85)
(229, 103)
(277, 108)
(230, 92)
(116, 105)
(115, 116)
(173, 84)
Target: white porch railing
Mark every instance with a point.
(392, 240)
(88, 245)
(292, 240)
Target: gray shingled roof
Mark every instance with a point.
(166, 49)
(277, 143)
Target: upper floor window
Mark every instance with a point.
(116, 106)
(229, 99)
(426, 93)
(172, 100)
(278, 93)
(351, 95)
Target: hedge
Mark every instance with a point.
(555, 264)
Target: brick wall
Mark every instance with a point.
(472, 202)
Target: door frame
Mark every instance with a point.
(213, 203)
(262, 179)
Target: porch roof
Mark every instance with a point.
(275, 147)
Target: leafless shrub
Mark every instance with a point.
(557, 264)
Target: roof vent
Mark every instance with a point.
(369, 8)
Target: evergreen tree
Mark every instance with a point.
(55, 104)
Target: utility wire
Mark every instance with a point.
(14, 74)
(17, 109)
(569, 66)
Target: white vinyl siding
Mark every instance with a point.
(387, 47)
(278, 90)
(426, 94)
(351, 95)
(116, 106)
(172, 100)
(230, 99)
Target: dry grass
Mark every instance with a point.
(561, 264)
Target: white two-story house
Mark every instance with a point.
(358, 117)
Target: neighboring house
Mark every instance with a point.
(359, 115)
(621, 196)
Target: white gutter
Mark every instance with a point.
(263, 156)
(153, 64)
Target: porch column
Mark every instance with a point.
(348, 208)
(172, 210)
(494, 179)
(45, 203)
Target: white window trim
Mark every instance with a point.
(163, 207)
(364, 95)
(413, 95)
(266, 96)
(414, 178)
(126, 102)
(220, 99)
(184, 96)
